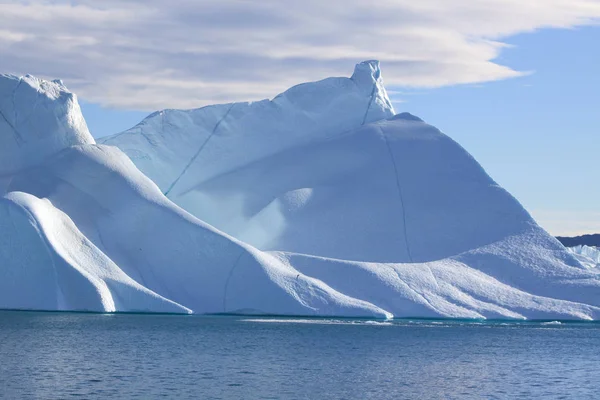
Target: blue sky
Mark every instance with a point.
(537, 135)
(513, 81)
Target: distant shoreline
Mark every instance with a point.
(587, 240)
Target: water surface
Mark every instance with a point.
(64, 355)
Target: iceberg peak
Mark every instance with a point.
(38, 118)
(367, 76)
(367, 72)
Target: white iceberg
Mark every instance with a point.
(589, 256)
(320, 202)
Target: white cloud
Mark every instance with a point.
(183, 53)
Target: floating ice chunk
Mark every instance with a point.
(589, 256)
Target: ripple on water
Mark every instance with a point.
(134, 356)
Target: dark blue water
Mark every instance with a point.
(60, 355)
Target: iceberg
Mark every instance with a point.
(320, 202)
(589, 256)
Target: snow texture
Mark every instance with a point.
(320, 202)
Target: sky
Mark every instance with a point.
(515, 82)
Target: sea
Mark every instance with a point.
(47, 355)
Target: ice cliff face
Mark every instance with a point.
(589, 256)
(38, 118)
(318, 202)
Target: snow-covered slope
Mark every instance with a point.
(332, 206)
(165, 249)
(46, 262)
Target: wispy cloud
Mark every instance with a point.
(150, 54)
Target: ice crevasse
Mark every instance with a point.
(319, 202)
